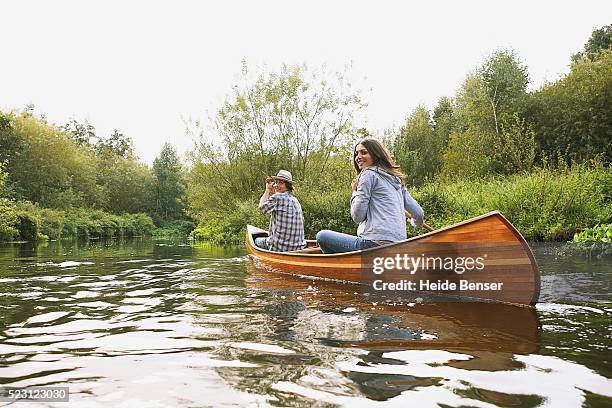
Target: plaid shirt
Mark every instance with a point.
(287, 222)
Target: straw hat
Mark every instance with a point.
(284, 175)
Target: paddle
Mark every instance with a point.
(427, 227)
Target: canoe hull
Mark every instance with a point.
(489, 241)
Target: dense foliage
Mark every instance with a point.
(599, 233)
(572, 117)
(36, 223)
(56, 168)
(65, 181)
(546, 204)
(8, 217)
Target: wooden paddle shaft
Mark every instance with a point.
(427, 227)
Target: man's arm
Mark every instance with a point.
(265, 204)
(264, 197)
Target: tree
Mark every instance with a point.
(515, 148)
(3, 176)
(572, 117)
(417, 149)
(505, 81)
(489, 99)
(444, 120)
(127, 185)
(295, 119)
(49, 168)
(283, 118)
(8, 218)
(9, 142)
(169, 185)
(466, 156)
(601, 40)
(83, 134)
(117, 143)
(11, 148)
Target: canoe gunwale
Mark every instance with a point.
(252, 230)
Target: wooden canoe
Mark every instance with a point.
(507, 270)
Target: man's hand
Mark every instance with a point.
(269, 190)
(270, 185)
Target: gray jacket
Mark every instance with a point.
(378, 206)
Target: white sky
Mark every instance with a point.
(142, 66)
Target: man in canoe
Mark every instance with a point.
(286, 230)
(378, 204)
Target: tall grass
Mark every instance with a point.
(549, 204)
(546, 204)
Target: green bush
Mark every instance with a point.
(327, 211)
(547, 204)
(29, 222)
(100, 224)
(52, 223)
(129, 226)
(176, 228)
(103, 225)
(82, 228)
(28, 226)
(139, 225)
(69, 229)
(599, 233)
(219, 232)
(232, 228)
(8, 220)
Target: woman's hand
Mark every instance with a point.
(354, 183)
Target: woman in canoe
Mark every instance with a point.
(378, 202)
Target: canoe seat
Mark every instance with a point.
(309, 250)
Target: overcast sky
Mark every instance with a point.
(143, 66)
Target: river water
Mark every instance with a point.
(145, 323)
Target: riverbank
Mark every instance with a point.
(23, 221)
(545, 205)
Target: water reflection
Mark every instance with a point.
(425, 353)
(573, 273)
(346, 318)
(135, 322)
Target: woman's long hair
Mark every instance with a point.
(380, 157)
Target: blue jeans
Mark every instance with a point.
(332, 242)
(261, 243)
